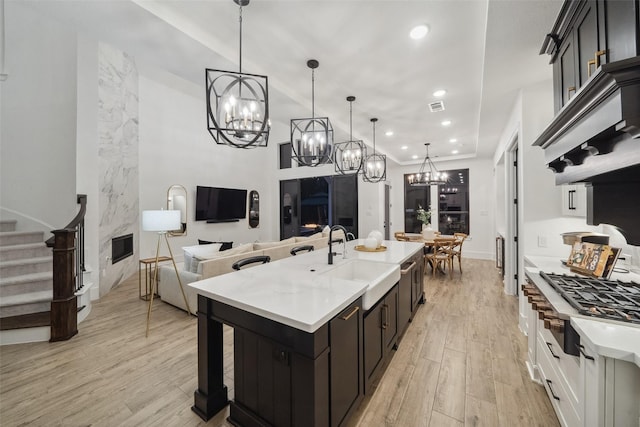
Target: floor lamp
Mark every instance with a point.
(161, 222)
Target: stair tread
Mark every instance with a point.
(20, 233)
(26, 278)
(23, 246)
(26, 298)
(24, 261)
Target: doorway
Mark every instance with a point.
(512, 243)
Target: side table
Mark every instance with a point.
(148, 278)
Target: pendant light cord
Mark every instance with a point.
(313, 93)
(240, 20)
(374, 138)
(350, 120)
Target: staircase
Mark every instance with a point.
(26, 284)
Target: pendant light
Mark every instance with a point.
(312, 138)
(428, 174)
(375, 165)
(348, 156)
(238, 104)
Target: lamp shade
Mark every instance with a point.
(160, 220)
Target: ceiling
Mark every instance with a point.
(480, 51)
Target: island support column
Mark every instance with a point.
(211, 395)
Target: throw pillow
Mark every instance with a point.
(198, 253)
(241, 249)
(267, 245)
(225, 245)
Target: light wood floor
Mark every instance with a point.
(461, 362)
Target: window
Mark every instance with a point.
(453, 203)
(414, 197)
(450, 212)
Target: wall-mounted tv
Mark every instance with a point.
(215, 204)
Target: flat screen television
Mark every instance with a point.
(215, 204)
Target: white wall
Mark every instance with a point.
(481, 244)
(176, 148)
(38, 108)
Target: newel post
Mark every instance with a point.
(64, 307)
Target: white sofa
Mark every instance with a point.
(169, 288)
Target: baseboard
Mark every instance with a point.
(23, 336)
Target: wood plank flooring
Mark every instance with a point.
(461, 362)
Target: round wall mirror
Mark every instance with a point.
(177, 201)
(254, 209)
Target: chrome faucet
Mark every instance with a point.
(344, 242)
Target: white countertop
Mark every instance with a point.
(609, 338)
(293, 290)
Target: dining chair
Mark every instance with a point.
(301, 248)
(456, 250)
(400, 236)
(262, 259)
(441, 256)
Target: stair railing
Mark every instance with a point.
(68, 269)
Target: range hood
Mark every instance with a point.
(595, 138)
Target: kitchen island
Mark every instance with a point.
(308, 336)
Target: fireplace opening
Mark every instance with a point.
(121, 248)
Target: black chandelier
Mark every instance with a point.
(311, 138)
(375, 165)
(348, 156)
(429, 174)
(238, 104)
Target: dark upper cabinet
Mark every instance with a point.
(586, 35)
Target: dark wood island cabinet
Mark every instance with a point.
(296, 364)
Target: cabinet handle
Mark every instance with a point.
(598, 55)
(572, 206)
(569, 90)
(353, 311)
(551, 350)
(586, 356)
(384, 316)
(406, 270)
(551, 390)
(589, 64)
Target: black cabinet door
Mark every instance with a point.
(405, 288)
(417, 282)
(347, 386)
(373, 342)
(585, 37)
(621, 23)
(566, 73)
(391, 319)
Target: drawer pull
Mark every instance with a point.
(553, 393)
(353, 311)
(589, 64)
(551, 350)
(586, 356)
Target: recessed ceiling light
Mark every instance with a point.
(445, 122)
(453, 140)
(404, 147)
(419, 32)
(439, 93)
(454, 152)
(389, 133)
(415, 156)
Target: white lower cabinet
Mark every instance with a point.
(589, 390)
(560, 375)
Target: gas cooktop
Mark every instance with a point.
(608, 299)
